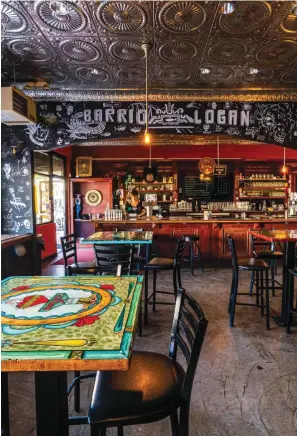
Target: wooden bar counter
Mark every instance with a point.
(212, 232)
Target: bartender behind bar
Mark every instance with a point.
(133, 206)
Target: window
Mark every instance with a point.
(41, 162)
(58, 166)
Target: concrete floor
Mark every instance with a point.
(246, 380)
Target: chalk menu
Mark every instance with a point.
(223, 187)
(16, 197)
(196, 188)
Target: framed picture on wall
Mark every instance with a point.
(83, 166)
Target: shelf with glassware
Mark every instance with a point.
(260, 187)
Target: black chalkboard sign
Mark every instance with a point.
(16, 197)
(196, 188)
(223, 188)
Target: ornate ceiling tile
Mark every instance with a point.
(228, 52)
(290, 76)
(30, 49)
(174, 74)
(62, 16)
(92, 75)
(247, 17)
(277, 52)
(12, 20)
(182, 17)
(56, 76)
(289, 24)
(126, 51)
(121, 17)
(80, 50)
(131, 75)
(177, 50)
(262, 76)
(217, 74)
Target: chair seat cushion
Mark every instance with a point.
(268, 254)
(85, 266)
(152, 383)
(251, 263)
(160, 262)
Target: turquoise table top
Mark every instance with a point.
(119, 238)
(68, 323)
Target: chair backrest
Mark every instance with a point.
(68, 244)
(109, 256)
(187, 333)
(232, 248)
(256, 243)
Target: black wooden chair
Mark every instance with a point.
(138, 257)
(69, 251)
(254, 265)
(291, 310)
(162, 264)
(194, 256)
(110, 260)
(155, 386)
(266, 251)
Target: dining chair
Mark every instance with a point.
(156, 386)
(254, 265)
(69, 250)
(163, 264)
(138, 258)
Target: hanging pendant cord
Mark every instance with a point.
(218, 149)
(146, 95)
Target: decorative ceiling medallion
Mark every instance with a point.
(217, 75)
(290, 76)
(289, 24)
(228, 52)
(277, 51)
(184, 17)
(29, 49)
(260, 77)
(127, 51)
(92, 75)
(80, 50)
(177, 51)
(121, 17)
(247, 17)
(12, 21)
(131, 75)
(69, 19)
(174, 74)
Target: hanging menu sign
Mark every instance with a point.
(220, 170)
(196, 188)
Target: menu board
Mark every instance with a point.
(223, 187)
(196, 188)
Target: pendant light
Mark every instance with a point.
(284, 168)
(146, 47)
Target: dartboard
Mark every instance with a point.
(93, 197)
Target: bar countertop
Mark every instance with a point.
(192, 221)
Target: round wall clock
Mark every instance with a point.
(93, 197)
(206, 165)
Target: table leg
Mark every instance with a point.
(51, 403)
(4, 405)
(289, 262)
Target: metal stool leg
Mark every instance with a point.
(154, 289)
(272, 269)
(267, 300)
(257, 288)
(77, 392)
(234, 295)
(252, 282)
(262, 293)
(145, 295)
(289, 316)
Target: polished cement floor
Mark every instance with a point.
(246, 380)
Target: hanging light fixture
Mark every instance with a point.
(284, 168)
(294, 9)
(146, 47)
(227, 8)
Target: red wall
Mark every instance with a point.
(48, 231)
(227, 151)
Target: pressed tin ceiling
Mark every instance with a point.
(96, 45)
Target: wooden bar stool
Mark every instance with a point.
(291, 310)
(259, 267)
(162, 264)
(268, 254)
(194, 255)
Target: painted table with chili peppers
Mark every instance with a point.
(52, 325)
(289, 238)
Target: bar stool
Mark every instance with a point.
(193, 242)
(291, 310)
(269, 255)
(248, 264)
(162, 264)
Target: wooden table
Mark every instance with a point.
(51, 325)
(289, 238)
(122, 237)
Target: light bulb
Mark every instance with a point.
(147, 138)
(284, 169)
(227, 8)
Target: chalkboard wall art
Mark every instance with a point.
(62, 124)
(16, 191)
